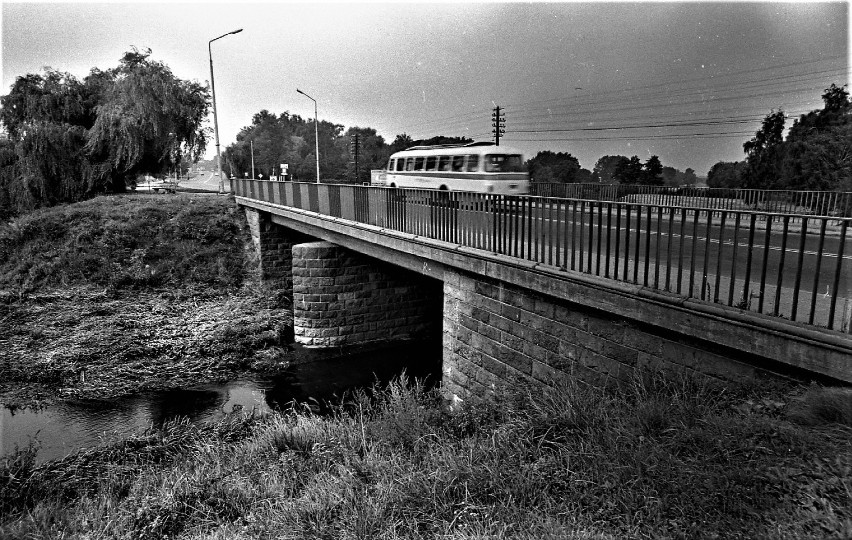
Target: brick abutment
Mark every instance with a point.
(273, 246)
(495, 334)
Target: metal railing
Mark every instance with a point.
(796, 203)
(771, 263)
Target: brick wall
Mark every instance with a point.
(496, 334)
(273, 245)
(344, 298)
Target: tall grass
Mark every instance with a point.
(125, 242)
(667, 460)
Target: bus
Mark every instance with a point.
(480, 166)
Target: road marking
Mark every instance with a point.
(716, 241)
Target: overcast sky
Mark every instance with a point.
(688, 82)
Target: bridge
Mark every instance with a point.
(533, 288)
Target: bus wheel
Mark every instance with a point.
(443, 188)
(393, 184)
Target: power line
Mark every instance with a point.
(697, 79)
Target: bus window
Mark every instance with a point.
(458, 163)
(400, 164)
(430, 162)
(503, 163)
(418, 164)
(409, 164)
(444, 163)
(391, 164)
(472, 163)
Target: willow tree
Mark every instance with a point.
(70, 139)
(147, 120)
(47, 120)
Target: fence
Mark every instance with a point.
(797, 203)
(757, 261)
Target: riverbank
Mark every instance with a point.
(658, 459)
(130, 293)
(91, 343)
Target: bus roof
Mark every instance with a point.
(455, 150)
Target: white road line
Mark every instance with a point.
(847, 256)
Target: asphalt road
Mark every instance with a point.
(711, 262)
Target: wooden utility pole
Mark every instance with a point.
(498, 122)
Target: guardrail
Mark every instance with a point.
(758, 261)
(797, 203)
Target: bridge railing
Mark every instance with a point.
(771, 263)
(796, 203)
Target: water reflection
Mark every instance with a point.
(63, 428)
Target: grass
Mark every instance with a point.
(655, 460)
(120, 293)
(127, 242)
(126, 293)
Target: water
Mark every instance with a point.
(63, 428)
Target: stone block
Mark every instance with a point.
(517, 360)
(510, 312)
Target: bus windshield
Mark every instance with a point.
(503, 163)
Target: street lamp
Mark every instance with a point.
(316, 129)
(215, 118)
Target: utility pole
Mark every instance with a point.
(355, 149)
(251, 143)
(498, 122)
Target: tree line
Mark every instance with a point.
(816, 154)
(290, 139)
(563, 168)
(68, 139)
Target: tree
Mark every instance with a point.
(836, 98)
(652, 172)
(400, 143)
(671, 176)
(554, 167)
(818, 151)
(726, 175)
(762, 152)
(629, 171)
(74, 139)
(147, 120)
(605, 167)
(583, 176)
(816, 155)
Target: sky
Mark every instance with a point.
(686, 81)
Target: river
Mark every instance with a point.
(65, 427)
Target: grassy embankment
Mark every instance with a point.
(666, 460)
(127, 293)
(656, 460)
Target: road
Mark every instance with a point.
(204, 181)
(679, 255)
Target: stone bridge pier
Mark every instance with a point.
(342, 298)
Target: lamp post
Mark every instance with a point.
(215, 117)
(316, 129)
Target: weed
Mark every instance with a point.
(824, 405)
(658, 458)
